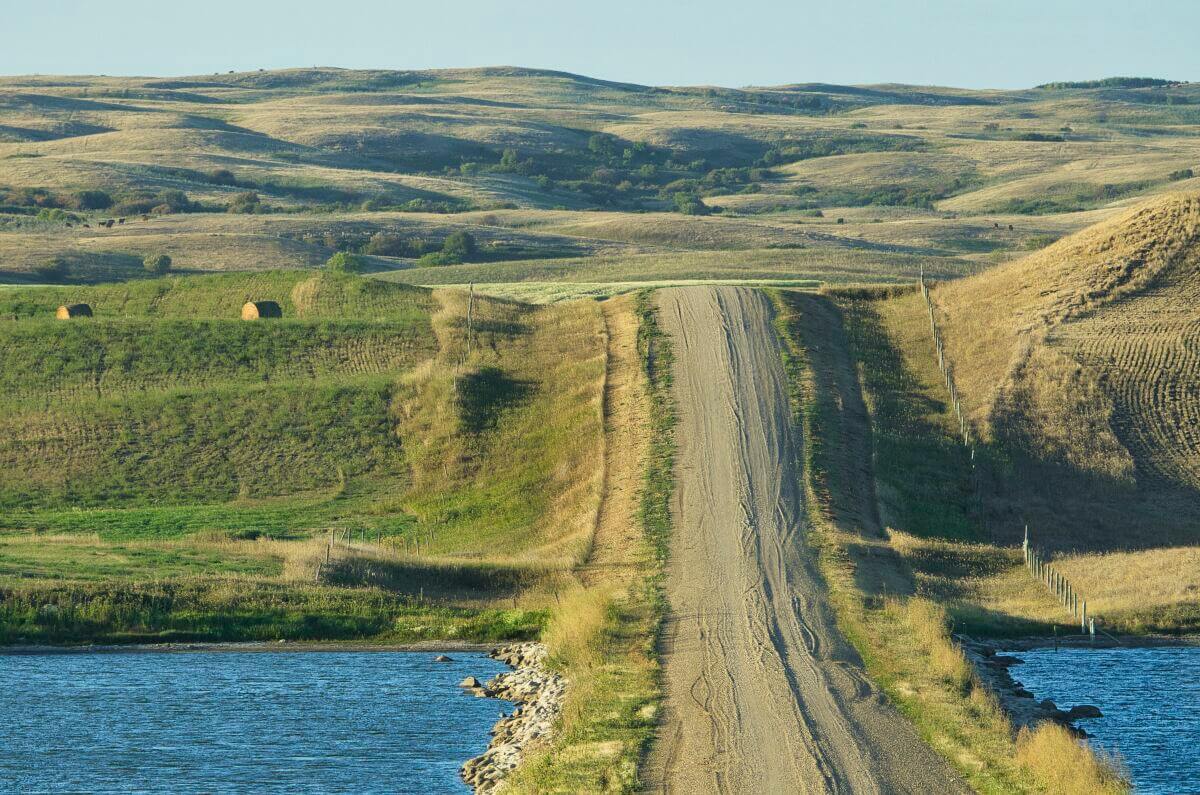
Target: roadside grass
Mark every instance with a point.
(604, 637)
(922, 472)
(903, 634)
(1062, 765)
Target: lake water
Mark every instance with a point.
(222, 721)
(1150, 698)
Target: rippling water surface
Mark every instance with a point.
(1150, 698)
(220, 721)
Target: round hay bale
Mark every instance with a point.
(259, 310)
(68, 311)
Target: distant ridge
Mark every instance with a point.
(1115, 82)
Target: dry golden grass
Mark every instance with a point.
(1126, 582)
(1078, 363)
(1062, 764)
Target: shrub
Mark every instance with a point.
(247, 202)
(92, 200)
(56, 215)
(435, 258)
(1036, 136)
(460, 244)
(1183, 173)
(177, 200)
(385, 245)
(345, 262)
(167, 201)
(222, 176)
(690, 204)
(157, 263)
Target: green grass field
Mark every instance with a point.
(164, 443)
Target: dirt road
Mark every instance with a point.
(763, 694)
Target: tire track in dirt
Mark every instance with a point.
(762, 692)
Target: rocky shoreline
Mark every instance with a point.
(1023, 708)
(538, 694)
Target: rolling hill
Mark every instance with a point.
(269, 170)
(1078, 361)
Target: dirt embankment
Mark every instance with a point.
(762, 692)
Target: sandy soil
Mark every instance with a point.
(762, 692)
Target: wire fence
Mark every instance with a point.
(1036, 563)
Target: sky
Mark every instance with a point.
(1011, 44)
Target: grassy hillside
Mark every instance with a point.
(1076, 362)
(1072, 367)
(166, 441)
(281, 169)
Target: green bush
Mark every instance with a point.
(157, 263)
(222, 176)
(345, 262)
(56, 215)
(690, 204)
(166, 201)
(435, 258)
(1183, 173)
(92, 200)
(461, 245)
(384, 244)
(247, 202)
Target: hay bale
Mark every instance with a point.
(259, 310)
(68, 311)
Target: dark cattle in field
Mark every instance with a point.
(108, 224)
(87, 226)
(145, 217)
(120, 220)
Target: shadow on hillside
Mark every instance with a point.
(927, 487)
(923, 474)
(437, 580)
(484, 393)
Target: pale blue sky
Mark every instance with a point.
(1015, 43)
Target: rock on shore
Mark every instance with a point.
(1023, 709)
(538, 693)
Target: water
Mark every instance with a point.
(212, 721)
(1150, 698)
